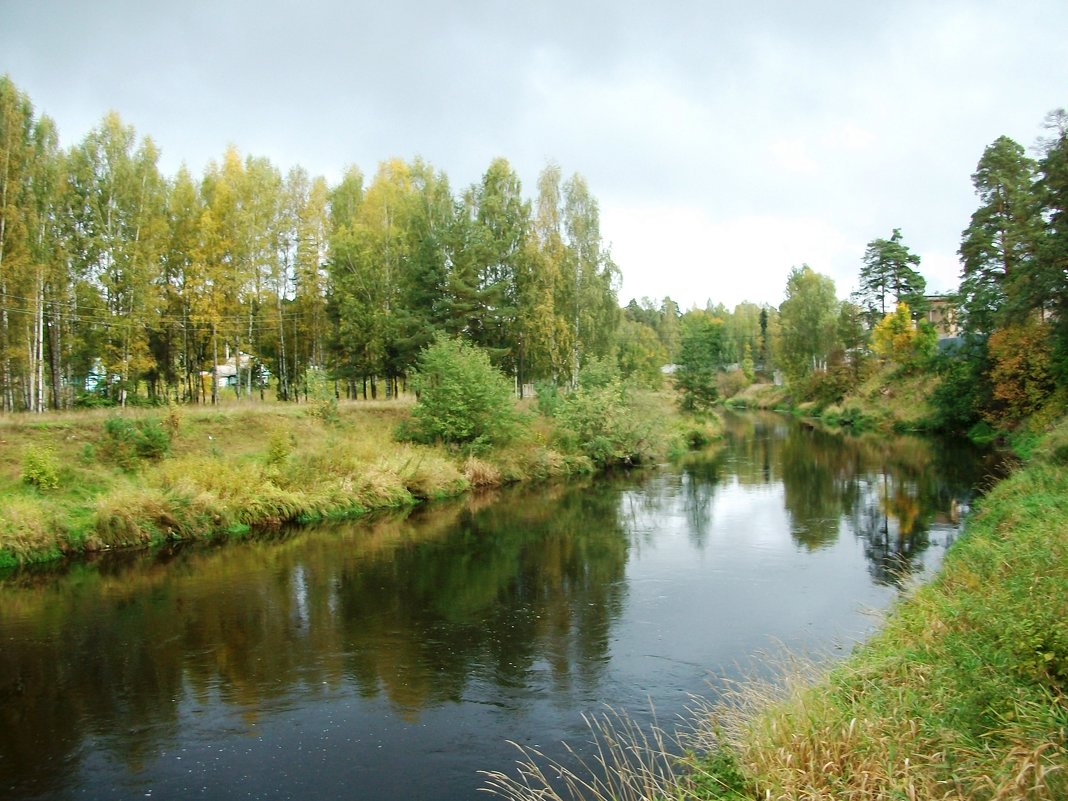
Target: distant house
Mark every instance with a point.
(235, 368)
(942, 315)
(96, 376)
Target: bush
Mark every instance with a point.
(279, 447)
(39, 468)
(1021, 372)
(548, 397)
(828, 387)
(126, 442)
(322, 397)
(963, 390)
(730, 383)
(608, 425)
(463, 399)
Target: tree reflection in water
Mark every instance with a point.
(412, 608)
(886, 490)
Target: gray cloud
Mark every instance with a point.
(701, 126)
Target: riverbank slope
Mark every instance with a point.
(86, 481)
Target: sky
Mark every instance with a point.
(726, 142)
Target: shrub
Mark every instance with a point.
(829, 386)
(1021, 372)
(463, 399)
(322, 398)
(39, 467)
(963, 390)
(126, 442)
(279, 447)
(730, 383)
(608, 425)
(548, 397)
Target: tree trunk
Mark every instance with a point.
(215, 368)
(55, 352)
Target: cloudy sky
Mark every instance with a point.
(725, 141)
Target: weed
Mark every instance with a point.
(39, 467)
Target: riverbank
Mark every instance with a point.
(887, 400)
(962, 695)
(87, 481)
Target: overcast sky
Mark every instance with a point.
(725, 141)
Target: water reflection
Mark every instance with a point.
(886, 490)
(414, 609)
(508, 614)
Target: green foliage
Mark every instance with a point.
(279, 447)
(1000, 246)
(963, 390)
(548, 397)
(640, 354)
(92, 400)
(463, 398)
(599, 372)
(828, 386)
(126, 442)
(897, 339)
(40, 468)
(320, 395)
(699, 360)
(608, 424)
(748, 368)
(889, 272)
(809, 323)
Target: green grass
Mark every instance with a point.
(90, 480)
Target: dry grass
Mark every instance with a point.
(236, 466)
(27, 526)
(626, 762)
(480, 473)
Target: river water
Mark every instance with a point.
(396, 659)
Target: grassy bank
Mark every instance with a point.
(887, 400)
(98, 479)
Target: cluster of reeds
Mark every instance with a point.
(625, 761)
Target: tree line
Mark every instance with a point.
(1009, 359)
(138, 286)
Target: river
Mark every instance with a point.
(394, 659)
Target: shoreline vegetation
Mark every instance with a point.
(79, 482)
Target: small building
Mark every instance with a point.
(942, 315)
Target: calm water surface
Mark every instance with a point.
(395, 660)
